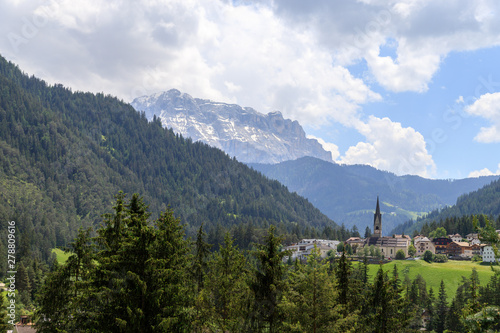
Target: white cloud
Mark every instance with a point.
(488, 107)
(331, 147)
(209, 49)
(391, 147)
(425, 32)
(484, 172)
(291, 56)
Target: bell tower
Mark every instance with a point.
(377, 222)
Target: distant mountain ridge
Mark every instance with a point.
(244, 133)
(347, 193)
(485, 200)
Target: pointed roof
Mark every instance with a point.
(377, 211)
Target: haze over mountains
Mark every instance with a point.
(349, 192)
(250, 136)
(279, 149)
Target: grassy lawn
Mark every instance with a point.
(61, 256)
(450, 272)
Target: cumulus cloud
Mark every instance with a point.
(289, 55)
(392, 147)
(488, 107)
(243, 54)
(485, 172)
(424, 32)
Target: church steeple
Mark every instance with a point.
(377, 221)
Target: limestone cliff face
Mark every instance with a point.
(248, 135)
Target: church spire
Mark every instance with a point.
(377, 221)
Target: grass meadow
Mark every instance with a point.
(61, 256)
(450, 272)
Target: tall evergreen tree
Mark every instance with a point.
(136, 282)
(224, 299)
(269, 283)
(390, 312)
(309, 302)
(201, 252)
(441, 309)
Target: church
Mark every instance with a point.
(389, 246)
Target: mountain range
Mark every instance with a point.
(348, 193)
(64, 155)
(279, 149)
(244, 133)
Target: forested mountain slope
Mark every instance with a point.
(64, 155)
(458, 218)
(348, 192)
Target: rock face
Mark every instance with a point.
(244, 133)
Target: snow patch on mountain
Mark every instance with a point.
(242, 132)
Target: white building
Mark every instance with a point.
(488, 254)
(303, 248)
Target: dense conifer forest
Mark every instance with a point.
(135, 277)
(458, 218)
(64, 155)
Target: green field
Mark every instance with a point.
(450, 272)
(62, 257)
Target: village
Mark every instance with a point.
(454, 247)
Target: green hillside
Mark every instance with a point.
(347, 193)
(64, 155)
(458, 218)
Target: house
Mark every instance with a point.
(459, 249)
(473, 238)
(423, 244)
(476, 249)
(356, 243)
(455, 237)
(488, 254)
(441, 244)
(303, 248)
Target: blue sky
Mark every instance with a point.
(408, 86)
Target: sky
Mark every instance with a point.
(407, 86)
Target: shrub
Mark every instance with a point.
(440, 258)
(428, 256)
(400, 255)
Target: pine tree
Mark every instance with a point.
(225, 296)
(64, 288)
(23, 284)
(269, 283)
(309, 303)
(169, 267)
(342, 274)
(441, 309)
(390, 311)
(136, 282)
(55, 301)
(202, 250)
(368, 232)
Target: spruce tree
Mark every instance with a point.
(441, 309)
(225, 295)
(269, 283)
(201, 252)
(309, 302)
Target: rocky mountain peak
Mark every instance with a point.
(250, 136)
